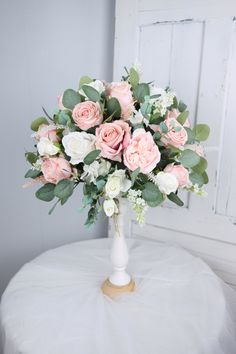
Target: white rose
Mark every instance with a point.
(166, 182)
(90, 172)
(77, 145)
(104, 167)
(97, 85)
(125, 183)
(46, 147)
(110, 207)
(112, 187)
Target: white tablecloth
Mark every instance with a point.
(54, 304)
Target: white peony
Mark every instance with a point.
(117, 182)
(104, 167)
(166, 182)
(90, 172)
(110, 207)
(46, 147)
(77, 145)
(97, 85)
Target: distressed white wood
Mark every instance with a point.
(191, 46)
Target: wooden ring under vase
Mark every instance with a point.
(112, 290)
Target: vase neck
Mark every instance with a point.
(119, 218)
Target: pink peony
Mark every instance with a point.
(180, 172)
(176, 136)
(55, 169)
(142, 152)
(112, 138)
(174, 114)
(59, 102)
(47, 131)
(87, 114)
(122, 91)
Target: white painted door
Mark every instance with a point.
(191, 46)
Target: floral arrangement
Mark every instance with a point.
(122, 139)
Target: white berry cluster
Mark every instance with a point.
(138, 205)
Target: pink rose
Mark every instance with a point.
(180, 172)
(112, 138)
(142, 152)
(176, 136)
(87, 114)
(122, 91)
(55, 169)
(59, 102)
(174, 114)
(47, 131)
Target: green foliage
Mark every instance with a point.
(100, 183)
(141, 91)
(134, 175)
(84, 80)
(182, 117)
(152, 195)
(191, 135)
(91, 93)
(91, 157)
(205, 177)
(31, 157)
(37, 122)
(175, 199)
(201, 132)
(189, 158)
(32, 173)
(201, 166)
(133, 78)
(113, 107)
(196, 178)
(146, 108)
(156, 136)
(92, 216)
(63, 118)
(64, 189)
(182, 106)
(163, 128)
(70, 99)
(46, 192)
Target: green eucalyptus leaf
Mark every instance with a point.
(182, 117)
(70, 99)
(31, 157)
(32, 173)
(113, 107)
(91, 157)
(156, 136)
(201, 132)
(64, 189)
(46, 192)
(91, 93)
(205, 177)
(163, 127)
(201, 166)
(134, 175)
(100, 183)
(37, 122)
(152, 195)
(84, 80)
(189, 158)
(182, 106)
(196, 178)
(191, 135)
(133, 78)
(141, 91)
(175, 199)
(63, 118)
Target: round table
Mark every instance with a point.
(54, 304)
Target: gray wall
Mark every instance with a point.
(46, 45)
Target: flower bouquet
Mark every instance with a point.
(123, 140)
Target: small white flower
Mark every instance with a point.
(104, 167)
(90, 172)
(117, 182)
(46, 147)
(166, 182)
(97, 85)
(77, 145)
(110, 207)
(137, 118)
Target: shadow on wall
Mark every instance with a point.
(46, 47)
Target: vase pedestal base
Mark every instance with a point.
(112, 290)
